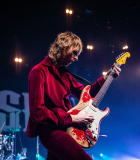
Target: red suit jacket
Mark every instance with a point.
(49, 92)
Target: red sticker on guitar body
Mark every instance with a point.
(86, 97)
(75, 111)
(81, 135)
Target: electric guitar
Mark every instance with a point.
(87, 135)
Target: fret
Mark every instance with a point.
(104, 88)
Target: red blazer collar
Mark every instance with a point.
(47, 61)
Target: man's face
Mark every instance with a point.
(71, 56)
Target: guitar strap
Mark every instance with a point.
(80, 78)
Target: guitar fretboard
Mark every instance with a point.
(104, 88)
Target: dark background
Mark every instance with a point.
(27, 28)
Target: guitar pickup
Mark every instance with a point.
(89, 139)
(83, 127)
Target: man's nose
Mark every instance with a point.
(76, 57)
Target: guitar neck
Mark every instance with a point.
(104, 88)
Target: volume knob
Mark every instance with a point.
(93, 130)
(95, 137)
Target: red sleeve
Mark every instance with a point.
(76, 87)
(38, 111)
(96, 86)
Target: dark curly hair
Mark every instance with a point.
(62, 43)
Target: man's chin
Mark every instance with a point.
(67, 64)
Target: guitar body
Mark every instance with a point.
(87, 135)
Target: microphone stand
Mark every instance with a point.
(15, 132)
(37, 148)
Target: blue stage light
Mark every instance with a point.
(37, 155)
(101, 154)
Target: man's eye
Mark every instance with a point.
(75, 53)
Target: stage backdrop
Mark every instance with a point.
(14, 114)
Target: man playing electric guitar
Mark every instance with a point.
(50, 86)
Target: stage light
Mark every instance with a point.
(104, 73)
(69, 11)
(89, 47)
(18, 156)
(125, 47)
(105, 157)
(18, 60)
(37, 155)
(101, 154)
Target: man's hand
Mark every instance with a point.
(116, 69)
(82, 118)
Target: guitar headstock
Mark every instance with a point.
(121, 59)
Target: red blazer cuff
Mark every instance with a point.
(101, 81)
(68, 121)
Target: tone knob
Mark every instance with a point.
(95, 137)
(93, 130)
(89, 125)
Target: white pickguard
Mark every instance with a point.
(98, 116)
